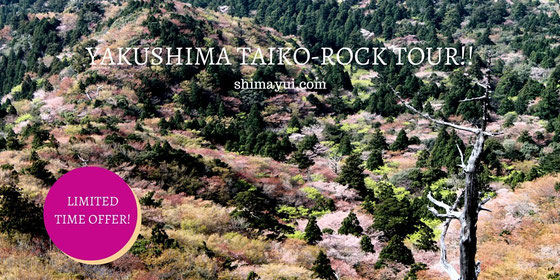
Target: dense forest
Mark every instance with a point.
(331, 183)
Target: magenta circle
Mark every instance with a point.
(97, 236)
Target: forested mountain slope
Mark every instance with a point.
(289, 184)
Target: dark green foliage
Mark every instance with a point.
(445, 152)
(337, 78)
(415, 268)
(148, 200)
(396, 251)
(255, 207)
(525, 137)
(247, 136)
(366, 245)
(352, 174)
(351, 225)
(515, 178)
(426, 240)
(302, 160)
(322, 267)
(308, 142)
(90, 13)
(42, 38)
(38, 134)
(160, 237)
(333, 133)
(383, 102)
(549, 106)
(294, 122)
(375, 160)
(158, 242)
(462, 88)
(553, 276)
(345, 147)
(394, 217)
(551, 162)
(38, 170)
(493, 150)
(140, 247)
(415, 179)
(534, 173)
(484, 38)
(401, 143)
(378, 141)
(313, 233)
(253, 276)
(18, 214)
(171, 169)
(423, 157)
(28, 87)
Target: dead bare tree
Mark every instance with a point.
(468, 215)
(93, 93)
(333, 160)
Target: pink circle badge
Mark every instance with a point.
(92, 215)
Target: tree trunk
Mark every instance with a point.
(468, 230)
(469, 217)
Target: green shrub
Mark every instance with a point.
(366, 245)
(19, 214)
(351, 225)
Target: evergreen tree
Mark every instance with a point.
(393, 216)
(551, 162)
(366, 245)
(525, 137)
(19, 214)
(549, 107)
(426, 240)
(254, 206)
(378, 141)
(401, 143)
(38, 169)
(253, 276)
(375, 160)
(396, 251)
(345, 147)
(294, 122)
(484, 38)
(351, 225)
(254, 121)
(445, 151)
(322, 267)
(308, 142)
(160, 237)
(313, 233)
(302, 160)
(352, 174)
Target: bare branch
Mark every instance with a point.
(462, 165)
(449, 269)
(481, 204)
(84, 161)
(477, 268)
(440, 122)
(480, 209)
(484, 201)
(449, 212)
(484, 86)
(473, 99)
(444, 215)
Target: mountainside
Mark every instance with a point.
(324, 183)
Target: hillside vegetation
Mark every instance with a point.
(295, 184)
